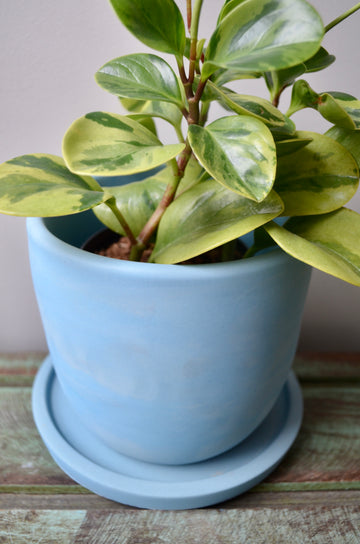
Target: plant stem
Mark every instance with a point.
(189, 13)
(342, 17)
(192, 116)
(195, 20)
(179, 169)
(111, 203)
(194, 29)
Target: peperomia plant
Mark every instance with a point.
(222, 179)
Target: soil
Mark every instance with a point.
(110, 244)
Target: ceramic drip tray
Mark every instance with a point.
(114, 476)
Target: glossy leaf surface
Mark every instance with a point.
(136, 201)
(158, 23)
(229, 6)
(285, 147)
(350, 105)
(207, 216)
(341, 109)
(163, 110)
(140, 76)
(321, 60)
(278, 80)
(41, 186)
(350, 139)
(318, 178)
(243, 104)
(239, 152)
(328, 242)
(264, 35)
(107, 144)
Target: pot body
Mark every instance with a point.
(165, 363)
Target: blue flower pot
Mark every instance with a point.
(168, 364)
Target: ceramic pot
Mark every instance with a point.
(169, 364)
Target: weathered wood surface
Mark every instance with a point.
(313, 497)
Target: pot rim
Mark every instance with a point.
(40, 234)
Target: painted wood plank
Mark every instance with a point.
(327, 449)
(253, 499)
(310, 524)
(19, 369)
(328, 445)
(23, 456)
(328, 367)
(30, 526)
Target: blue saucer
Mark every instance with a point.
(114, 476)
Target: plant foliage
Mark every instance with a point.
(219, 180)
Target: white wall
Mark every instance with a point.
(49, 52)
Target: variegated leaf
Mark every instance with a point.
(302, 96)
(158, 24)
(140, 76)
(329, 242)
(349, 104)
(350, 139)
(239, 152)
(285, 147)
(318, 178)
(145, 121)
(319, 61)
(105, 144)
(341, 109)
(41, 186)
(194, 172)
(278, 80)
(264, 35)
(163, 110)
(243, 104)
(228, 6)
(207, 216)
(136, 201)
(284, 132)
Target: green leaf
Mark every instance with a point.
(319, 61)
(140, 76)
(158, 24)
(222, 76)
(237, 151)
(278, 80)
(264, 35)
(207, 216)
(328, 242)
(285, 147)
(302, 96)
(162, 110)
(137, 201)
(254, 106)
(229, 6)
(41, 186)
(193, 174)
(350, 105)
(145, 121)
(350, 139)
(317, 179)
(341, 109)
(105, 144)
(284, 132)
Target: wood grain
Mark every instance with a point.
(312, 498)
(327, 448)
(311, 524)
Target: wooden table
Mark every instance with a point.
(313, 497)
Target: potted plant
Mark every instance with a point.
(167, 383)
